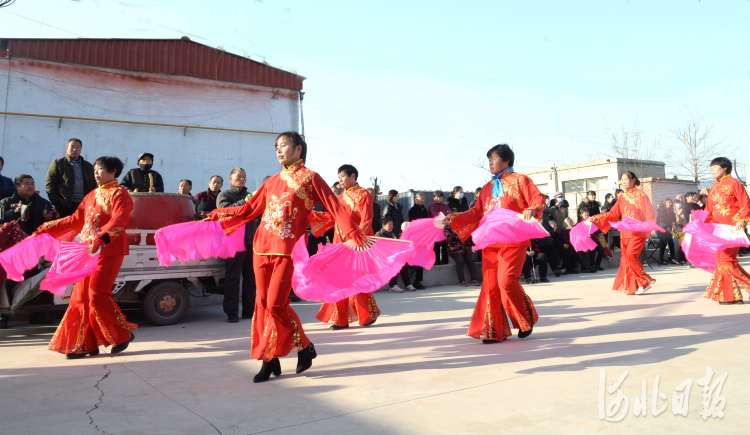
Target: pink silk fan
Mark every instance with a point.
(501, 225)
(195, 241)
(72, 264)
(703, 240)
(630, 224)
(341, 270)
(424, 233)
(25, 255)
(580, 236)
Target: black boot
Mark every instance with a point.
(490, 341)
(370, 322)
(337, 327)
(524, 334)
(305, 357)
(740, 301)
(267, 369)
(81, 355)
(122, 346)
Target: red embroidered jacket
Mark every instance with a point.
(728, 202)
(520, 194)
(105, 210)
(286, 201)
(632, 203)
(357, 202)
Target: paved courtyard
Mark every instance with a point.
(414, 372)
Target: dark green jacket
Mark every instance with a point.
(61, 180)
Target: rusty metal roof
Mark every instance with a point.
(168, 56)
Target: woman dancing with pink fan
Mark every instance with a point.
(93, 318)
(727, 204)
(633, 204)
(357, 202)
(286, 201)
(501, 262)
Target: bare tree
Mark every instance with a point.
(696, 151)
(632, 145)
(4, 3)
(376, 185)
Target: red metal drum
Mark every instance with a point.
(152, 211)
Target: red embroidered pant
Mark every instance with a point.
(360, 307)
(724, 285)
(93, 318)
(630, 275)
(277, 329)
(502, 294)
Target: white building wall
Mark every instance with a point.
(29, 144)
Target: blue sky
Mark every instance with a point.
(415, 92)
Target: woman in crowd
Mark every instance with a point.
(394, 211)
(608, 200)
(457, 201)
(634, 203)
(667, 220)
(461, 253)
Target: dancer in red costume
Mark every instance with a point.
(631, 278)
(358, 204)
(93, 318)
(286, 201)
(727, 204)
(501, 263)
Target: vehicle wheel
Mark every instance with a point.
(166, 303)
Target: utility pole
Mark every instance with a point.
(301, 113)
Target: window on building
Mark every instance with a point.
(574, 191)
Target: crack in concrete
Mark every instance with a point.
(101, 400)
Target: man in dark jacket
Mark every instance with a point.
(209, 196)
(142, 178)
(25, 206)
(6, 184)
(418, 211)
(590, 203)
(69, 179)
(31, 211)
(691, 203)
(241, 265)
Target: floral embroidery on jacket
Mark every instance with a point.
(279, 215)
(298, 177)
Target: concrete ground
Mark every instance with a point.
(414, 372)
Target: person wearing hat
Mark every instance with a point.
(142, 178)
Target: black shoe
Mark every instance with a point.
(732, 302)
(267, 369)
(81, 355)
(557, 274)
(490, 341)
(122, 346)
(592, 270)
(4, 321)
(573, 271)
(524, 334)
(543, 279)
(337, 327)
(247, 316)
(305, 357)
(528, 280)
(293, 296)
(233, 318)
(419, 286)
(599, 268)
(370, 322)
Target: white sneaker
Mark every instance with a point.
(642, 290)
(395, 289)
(410, 288)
